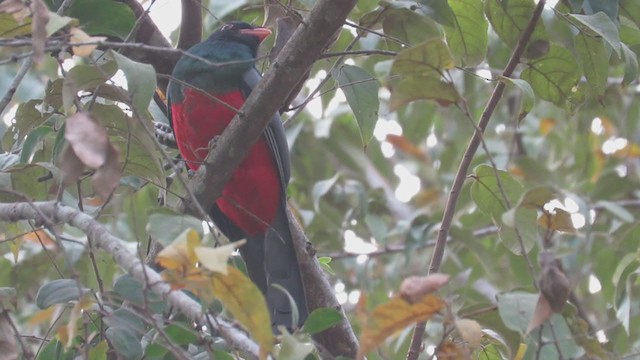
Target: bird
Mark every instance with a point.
(202, 99)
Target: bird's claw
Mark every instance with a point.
(164, 134)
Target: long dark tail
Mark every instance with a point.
(281, 267)
(271, 259)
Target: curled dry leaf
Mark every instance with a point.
(414, 288)
(470, 331)
(554, 284)
(107, 177)
(540, 314)
(88, 139)
(89, 146)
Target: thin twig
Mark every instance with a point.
(461, 174)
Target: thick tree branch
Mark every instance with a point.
(129, 262)
(191, 24)
(340, 339)
(461, 174)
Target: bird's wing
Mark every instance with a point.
(274, 132)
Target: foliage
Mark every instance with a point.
(547, 213)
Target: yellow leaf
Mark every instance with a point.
(522, 349)
(393, 316)
(470, 331)
(79, 36)
(180, 254)
(215, 259)
(546, 125)
(242, 298)
(41, 316)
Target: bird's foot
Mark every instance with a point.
(164, 134)
(213, 142)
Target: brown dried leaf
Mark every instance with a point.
(17, 8)
(70, 166)
(559, 220)
(449, 350)
(88, 139)
(393, 316)
(401, 143)
(414, 288)
(40, 16)
(554, 284)
(107, 177)
(540, 315)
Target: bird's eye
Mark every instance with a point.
(227, 27)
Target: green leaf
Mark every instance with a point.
(486, 193)
(110, 18)
(623, 264)
(325, 263)
(9, 27)
(516, 309)
(125, 319)
(412, 88)
(57, 22)
(322, 319)
(631, 10)
(85, 77)
(428, 58)
(59, 291)
(528, 96)
(631, 65)
(617, 210)
(510, 18)
(554, 75)
(361, 91)
(292, 348)
(600, 24)
(141, 81)
(409, 27)
(99, 352)
(165, 225)
(468, 40)
(180, 335)
(321, 188)
(125, 342)
(30, 145)
(593, 56)
(521, 227)
(137, 148)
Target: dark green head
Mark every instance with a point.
(233, 47)
(240, 33)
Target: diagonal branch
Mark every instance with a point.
(130, 263)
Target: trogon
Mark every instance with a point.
(203, 97)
